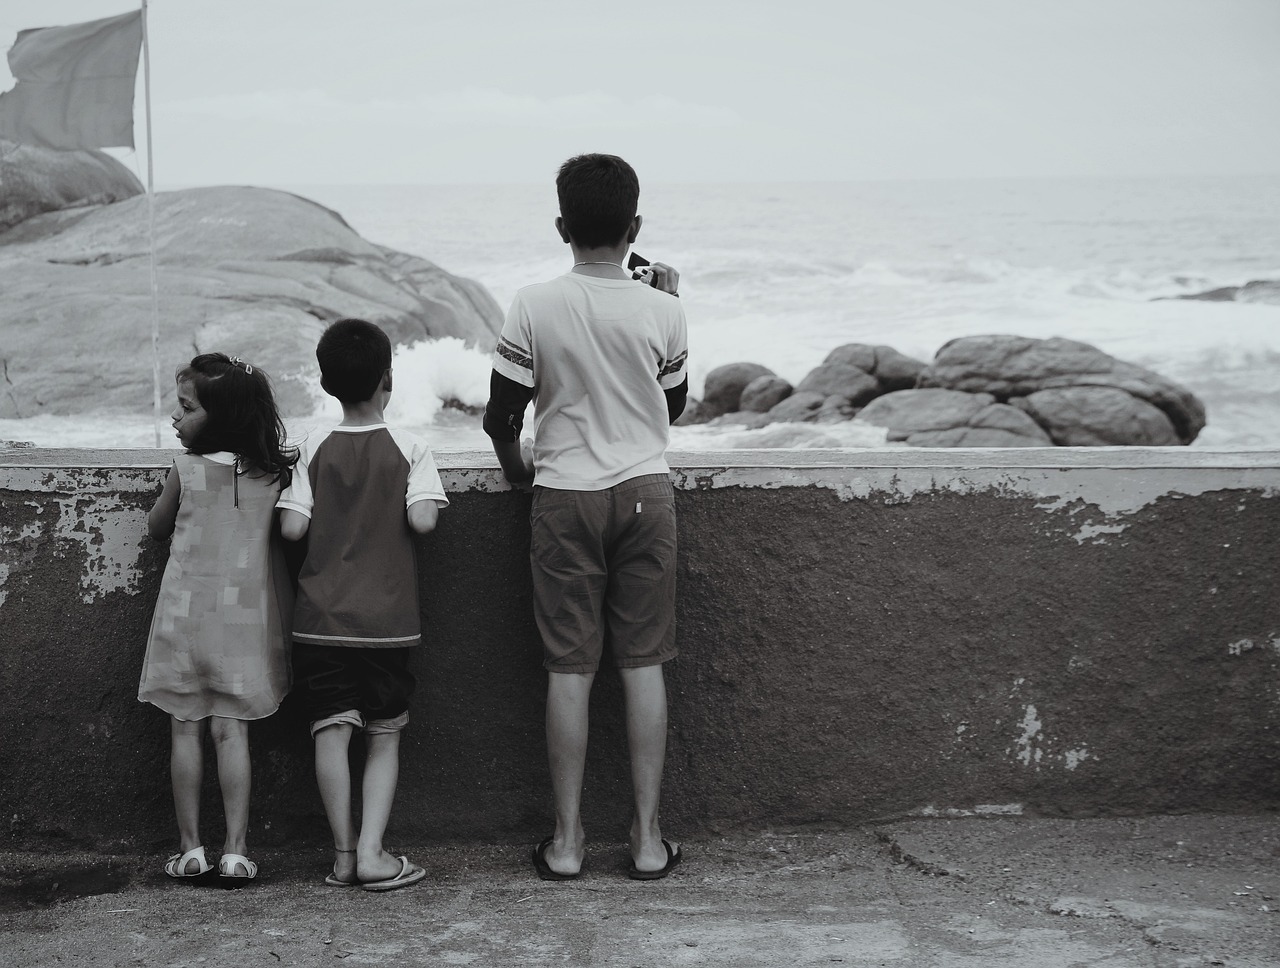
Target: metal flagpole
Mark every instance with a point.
(156, 403)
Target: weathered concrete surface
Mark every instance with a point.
(1165, 892)
(1045, 632)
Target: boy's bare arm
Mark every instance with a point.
(423, 515)
(516, 459)
(293, 524)
(164, 514)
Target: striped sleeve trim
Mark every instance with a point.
(509, 351)
(673, 366)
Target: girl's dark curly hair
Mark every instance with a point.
(242, 415)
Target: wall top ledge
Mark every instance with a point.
(1093, 458)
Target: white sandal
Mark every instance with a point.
(176, 866)
(227, 865)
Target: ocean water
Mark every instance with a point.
(780, 274)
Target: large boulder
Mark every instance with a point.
(248, 271)
(1016, 366)
(763, 393)
(841, 379)
(722, 391)
(905, 412)
(36, 180)
(1098, 417)
(952, 418)
(801, 407)
(892, 370)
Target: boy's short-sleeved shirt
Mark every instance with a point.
(598, 354)
(359, 582)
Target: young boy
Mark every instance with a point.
(359, 492)
(602, 355)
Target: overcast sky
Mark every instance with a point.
(418, 91)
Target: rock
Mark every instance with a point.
(248, 271)
(1256, 290)
(951, 418)
(36, 180)
(801, 406)
(996, 425)
(694, 413)
(1224, 294)
(854, 354)
(1016, 366)
(722, 391)
(1260, 290)
(835, 409)
(763, 393)
(906, 412)
(855, 385)
(893, 370)
(742, 419)
(896, 371)
(1098, 417)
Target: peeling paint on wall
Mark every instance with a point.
(92, 509)
(1075, 757)
(977, 810)
(1028, 752)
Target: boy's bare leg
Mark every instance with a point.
(381, 773)
(645, 691)
(231, 742)
(568, 695)
(186, 774)
(333, 776)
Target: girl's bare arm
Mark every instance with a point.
(164, 514)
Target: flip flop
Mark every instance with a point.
(409, 874)
(176, 866)
(673, 859)
(543, 868)
(227, 875)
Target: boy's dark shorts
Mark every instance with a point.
(365, 688)
(604, 568)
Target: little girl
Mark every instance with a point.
(217, 652)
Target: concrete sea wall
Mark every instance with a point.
(1048, 632)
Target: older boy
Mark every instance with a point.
(602, 355)
(356, 620)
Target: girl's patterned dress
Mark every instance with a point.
(219, 637)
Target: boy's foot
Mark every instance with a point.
(344, 869)
(674, 856)
(544, 869)
(409, 874)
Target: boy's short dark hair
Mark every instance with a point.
(598, 197)
(353, 354)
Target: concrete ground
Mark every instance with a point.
(961, 893)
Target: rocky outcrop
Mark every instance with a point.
(36, 180)
(984, 391)
(1015, 366)
(248, 271)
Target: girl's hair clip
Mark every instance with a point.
(247, 367)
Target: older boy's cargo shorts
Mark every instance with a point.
(365, 688)
(604, 568)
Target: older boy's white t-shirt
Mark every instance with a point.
(598, 354)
